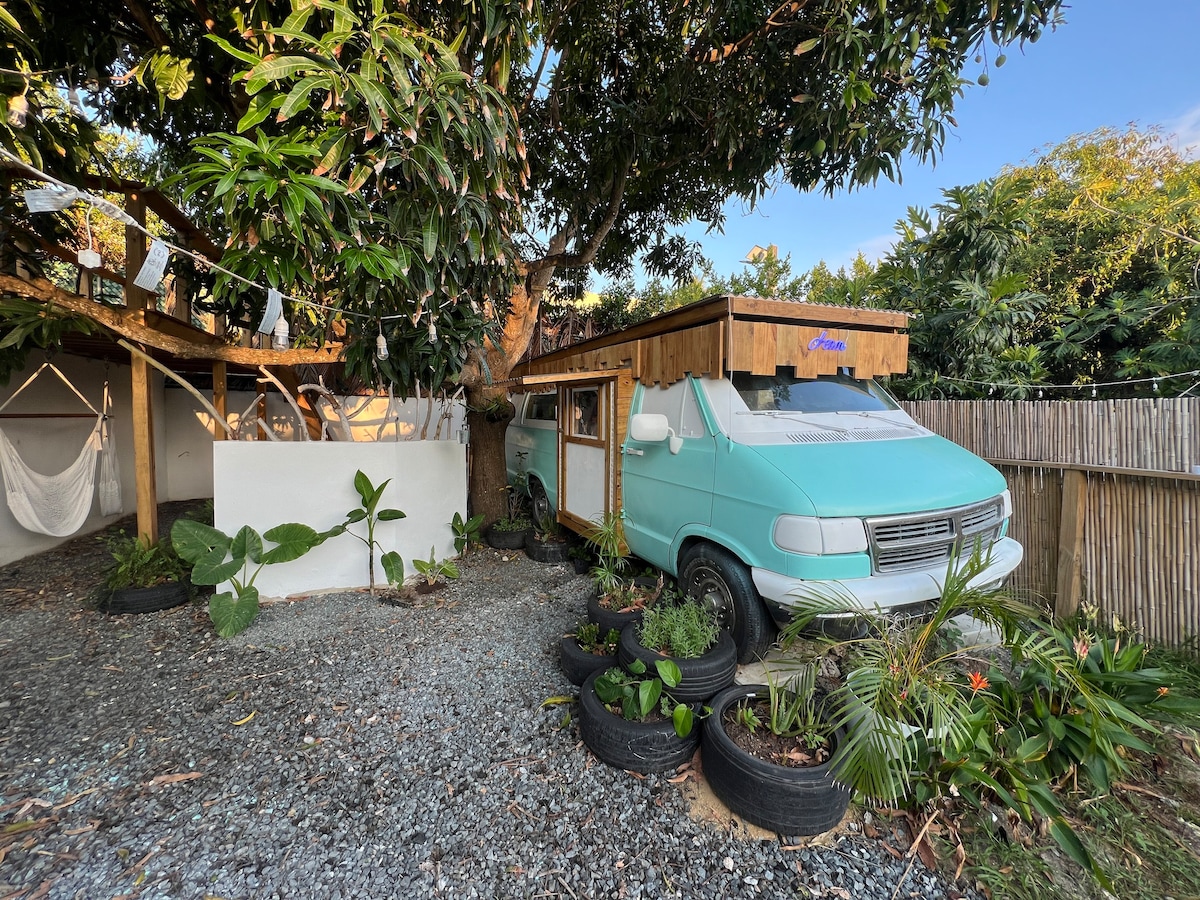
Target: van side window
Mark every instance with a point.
(678, 404)
(542, 408)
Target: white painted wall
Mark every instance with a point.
(183, 435)
(263, 484)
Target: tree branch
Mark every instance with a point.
(145, 21)
(587, 253)
(788, 9)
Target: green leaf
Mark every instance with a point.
(393, 568)
(355, 515)
(683, 719)
(429, 239)
(669, 672)
(193, 540)
(363, 485)
(390, 515)
(247, 544)
(215, 566)
(232, 615)
(276, 68)
(647, 696)
(293, 540)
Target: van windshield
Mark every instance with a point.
(823, 394)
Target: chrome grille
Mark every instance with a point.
(920, 541)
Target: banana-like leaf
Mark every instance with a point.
(393, 567)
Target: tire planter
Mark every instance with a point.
(643, 747)
(786, 800)
(506, 540)
(702, 677)
(547, 551)
(145, 600)
(607, 618)
(577, 664)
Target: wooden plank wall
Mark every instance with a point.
(1139, 531)
(760, 347)
(1130, 434)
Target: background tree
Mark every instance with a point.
(639, 117)
(1078, 268)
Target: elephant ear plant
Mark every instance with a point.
(217, 557)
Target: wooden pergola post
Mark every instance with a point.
(141, 379)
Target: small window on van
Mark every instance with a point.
(542, 408)
(585, 411)
(678, 404)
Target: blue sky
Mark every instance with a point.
(1114, 63)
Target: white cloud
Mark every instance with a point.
(1184, 133)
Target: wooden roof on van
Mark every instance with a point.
(739, 334)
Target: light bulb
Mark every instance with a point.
(279, 340)
(381, 350)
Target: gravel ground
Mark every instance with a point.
(344, 748)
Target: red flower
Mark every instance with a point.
(978, 682)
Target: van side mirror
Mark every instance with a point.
(652, 428)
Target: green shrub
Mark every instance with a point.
(685, 631)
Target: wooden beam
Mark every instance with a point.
(220, 396)
(145, 474)
(1069, 587)
(143, 451)
(127, 325)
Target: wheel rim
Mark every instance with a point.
(540, 503)
(709, 588)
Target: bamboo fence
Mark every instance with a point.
(1133, 552)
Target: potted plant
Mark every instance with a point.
(618, 599)
(768, 755)
(688, 635)
(547, 544)
(586, 650)
(511, 531)
(143, 577)
(629, 719)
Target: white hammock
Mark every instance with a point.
(58, 505)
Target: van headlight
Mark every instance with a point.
(816, 536)
(1006, 504)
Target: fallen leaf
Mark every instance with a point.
(245, 720)
(174, 779)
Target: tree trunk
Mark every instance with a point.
(488, 408)
(489, 476)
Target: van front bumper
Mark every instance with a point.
(901, 592)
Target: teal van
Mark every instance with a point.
(757, 488)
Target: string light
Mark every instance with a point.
(279, 340)
(1092, 386)
(381, 347)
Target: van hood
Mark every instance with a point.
(873, 478)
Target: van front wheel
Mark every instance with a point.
(717, 579)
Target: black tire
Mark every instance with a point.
(607, 618)
(702, 677)
(785, 800)
(547, 551)
(642, 747)
(539, 503)
(506, 540)
(577, 664)
(146, 600)
(717, 578)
